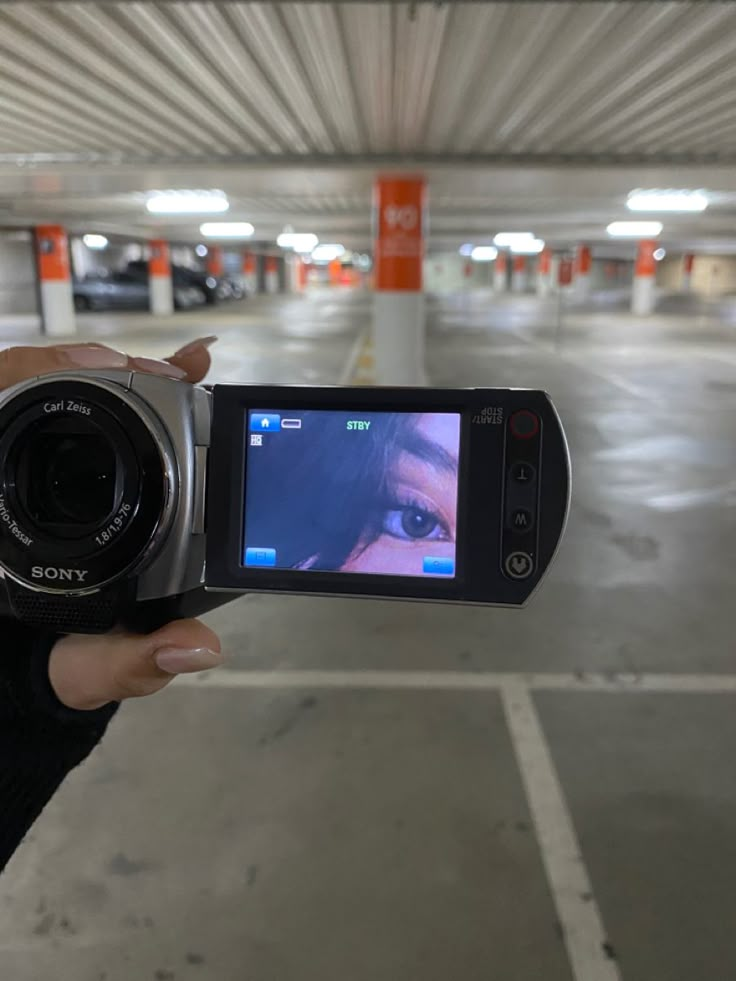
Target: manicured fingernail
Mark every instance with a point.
(94, 357)
(195, 345)
(154, 367)
(175, 660)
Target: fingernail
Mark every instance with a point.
(94, 357)
(174, 660)
(194, 345)
(154, 367)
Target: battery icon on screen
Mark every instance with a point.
(291, 424)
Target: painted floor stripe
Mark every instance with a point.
(700, 684)
(577, 911)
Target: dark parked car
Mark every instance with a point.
(212, 288)
(126, 291)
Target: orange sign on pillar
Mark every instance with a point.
(501, 262)
(249, 264)
(519, 263)
(646, 264)
(583, 260)
(215, 262)
(301, 273)
(564, 275)
(545, 262)
(689, 262)
(335, 272)
(399, 219)
(52, 250)
(159, 264)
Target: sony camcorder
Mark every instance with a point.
(130, 499)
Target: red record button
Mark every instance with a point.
(524, 424)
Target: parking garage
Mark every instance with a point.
(535, 195)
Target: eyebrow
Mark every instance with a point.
(429, 451)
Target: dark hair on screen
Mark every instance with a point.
(318, 493)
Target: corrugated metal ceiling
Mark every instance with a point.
(234, 81)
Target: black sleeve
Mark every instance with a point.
(41, 740)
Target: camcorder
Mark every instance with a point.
(129, 499)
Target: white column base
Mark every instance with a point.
(398, 334)
(499, 280)
(642, 295)
(272, 282)
(518, 282)
(582, 284)
(161, 295)
(250, 281)
(544, 284)
(685, 287)
(57, 308)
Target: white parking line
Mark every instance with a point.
(583, 932)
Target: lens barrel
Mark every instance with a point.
(85, 485)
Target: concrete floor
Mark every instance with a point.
(324, 827)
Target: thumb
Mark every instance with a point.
(89, 671)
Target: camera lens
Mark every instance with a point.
(67, 476)
(71, 479)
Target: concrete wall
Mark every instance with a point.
(17, 273)
(445, 272)
(712, 274)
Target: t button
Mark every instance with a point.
(519, 565)
(523, 473)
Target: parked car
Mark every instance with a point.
(212, 288)
(126, 291)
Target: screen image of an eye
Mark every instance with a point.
(351, 492)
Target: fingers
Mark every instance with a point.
(87, 672)
(18, 364)
(194, 358)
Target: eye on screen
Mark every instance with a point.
(362, 492)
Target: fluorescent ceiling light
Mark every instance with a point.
(466, 249)
(659, 254)
(484, 253)
(95, 241)
(298, 241)
(667, 200)
(226, 229)
(509, 239)
(187, 202)
(634, 229)
(528, 246)
(326, 253)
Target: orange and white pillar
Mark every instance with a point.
(271, 274)
(564, 274)
(645, 268)
(215, 261)
(55, 282)
(518, 274)
(161, 293)
(544, 272)
(398, 306)
(500, 274)
(250, 273)
(688, 261)
(583, 269)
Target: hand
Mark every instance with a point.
(87, 672)
(190, 363)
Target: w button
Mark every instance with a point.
(521, 520)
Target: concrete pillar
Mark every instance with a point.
(398, 305)
(250, 273)
(642, 294)
(554, 272)
(500, 274)
(544, 272)
(334, 270)
(215, 261)
(161, 293)
(55, 284)
(583, 267)
(518, 274)
(564, 274)
(688, 261)
(296, 273)
(271, 274)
